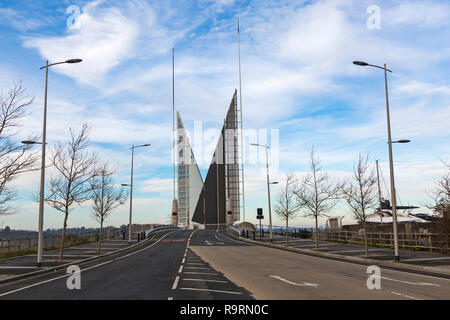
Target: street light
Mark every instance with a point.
(268, 186)
(44, 143)
(391, 161)
(131, 188)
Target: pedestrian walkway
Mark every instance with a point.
(420, 258)
(10, 267)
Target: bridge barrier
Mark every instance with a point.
(234, 230)
(149, 232)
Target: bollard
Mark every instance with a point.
(123, 235)
(263, 233)
(254, 235)
(139, 237)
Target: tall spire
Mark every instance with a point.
(242, 125)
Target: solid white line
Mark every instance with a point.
(304, 284)
(181, 269)
(413, 283)
(210, 290)
(93, 267)
(194, 263)
(17, 267)
(175, 284)
(203, 280)
(406, 296)
(427, 259)
(210, 274)
(241, 242)
(350, 251)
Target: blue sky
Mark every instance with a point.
(297, 78)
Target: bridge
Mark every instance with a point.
(213, 264)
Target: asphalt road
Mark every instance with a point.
(203, 265)
(162, 269)
(279, 275)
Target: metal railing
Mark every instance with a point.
(52, 241)
(432, 242)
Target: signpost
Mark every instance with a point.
(260, 217)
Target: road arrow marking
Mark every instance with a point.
(303, 284)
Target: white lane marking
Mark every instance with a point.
(50, 280)
(183, 261)
(93, 267)
(210, 290)
(181, 269)
(203, 280)
(210, 274)
(170, 299)
(67, 255)
(427, 259)
(350, 251)
(175, 284)
(227, 238)
(404, 295)
(17, 267)
(303, 284)
(195, 263)
(413, 283)
(197, 268)
(313, 245)
(208, 243)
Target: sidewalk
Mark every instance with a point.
(428, 260)
(15, 266)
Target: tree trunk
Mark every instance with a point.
(317, 233)
(287, 230)
(366, 244)
(61, 248)
(100, 237)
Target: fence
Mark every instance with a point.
(432, 242)
(50, 241)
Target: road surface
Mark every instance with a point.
(211, 265)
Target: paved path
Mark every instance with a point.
(276, 274)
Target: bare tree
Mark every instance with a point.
(440, 196)
(287, 205)
(361, 194)
(317, 194)
(15, 158)
(105, 196)
(76, 168)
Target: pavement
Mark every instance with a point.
(163, 268)
(213, 265)
(11, 267)
(417, 258)
(273, 274)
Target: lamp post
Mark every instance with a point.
(44, 143)
(268, 186)
(131, 188)
(391, 161)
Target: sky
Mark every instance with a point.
(299, 86)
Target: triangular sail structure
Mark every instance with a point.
(222, 181)
(189, 178)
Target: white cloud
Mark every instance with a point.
(18, 21)
(103, 38)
